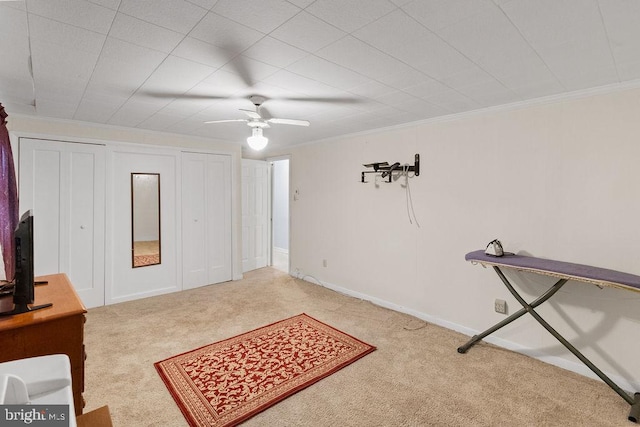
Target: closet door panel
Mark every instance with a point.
(255, 214)
(43, 197)
(194, 249)
(86, 232)
(219, 218)
(64, 184)
(206, 219)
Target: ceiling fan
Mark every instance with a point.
(238, 65)
(257, 123)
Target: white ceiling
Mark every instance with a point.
(345, 65)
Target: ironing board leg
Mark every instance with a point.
(542, 298)
(563, 341)
(634, 413)
(529, 308)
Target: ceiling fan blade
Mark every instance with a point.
(251, 113)
(238, 64)
(289, 122)
(160, 94)
(329, 99)
(227, 121)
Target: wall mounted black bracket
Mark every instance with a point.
(386, 170)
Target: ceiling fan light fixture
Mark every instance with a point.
(257, 141)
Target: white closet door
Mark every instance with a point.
(255, 214)
(64, 184)
(206, 219)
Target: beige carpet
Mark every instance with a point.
(415, 378)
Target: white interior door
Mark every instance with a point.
(255, 214)
(64, 184)
(206, 219)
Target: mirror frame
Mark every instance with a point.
(133, 254)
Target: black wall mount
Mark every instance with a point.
(386, 170)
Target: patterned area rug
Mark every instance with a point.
(225, 383)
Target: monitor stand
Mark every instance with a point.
(23, 308)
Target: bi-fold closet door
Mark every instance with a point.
(255, 214)
(64, 184)
(206, 219)
(82, 231)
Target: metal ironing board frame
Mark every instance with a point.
(564, 272)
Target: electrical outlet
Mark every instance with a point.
(324, 262)
(500, 306)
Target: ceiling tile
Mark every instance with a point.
(15, 61)
(252, 70)
(207, 4)
(98, 106)
(350, 15)
(307, 32)
(531, 90)
(224, 83)
(489, 93)
(178, 74)
(359, 57)
(225, 33)
(274, 52)
(428, 87)
(302, 3)
(111, 4)
(409, 41)
(629, 71)
(372, 89)
(67, 67)
(402, 76)
(55, 108)
(202, 52)
(176, 15)
(264, 16)
(144, 34)
(79, 13)
(47, 31)
(453, 101)
(123, 66)
(296, 83)
(327, 72)
(621, 23)
(491, 41)
(401, 3)
(160, 121)
(438, 14)
(16, 5)
(135, 111)
(546, 23)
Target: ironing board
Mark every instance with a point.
(563, 271)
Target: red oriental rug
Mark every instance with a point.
(225, 383)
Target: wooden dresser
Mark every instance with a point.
(58, 329)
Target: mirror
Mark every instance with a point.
(145, 219)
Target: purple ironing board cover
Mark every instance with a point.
(564, 270)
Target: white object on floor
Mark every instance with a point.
(38, 381)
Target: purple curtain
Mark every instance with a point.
(8, 199)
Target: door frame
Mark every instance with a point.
(271, 160)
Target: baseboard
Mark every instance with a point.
(560, 362)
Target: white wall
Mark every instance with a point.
(559, 180)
